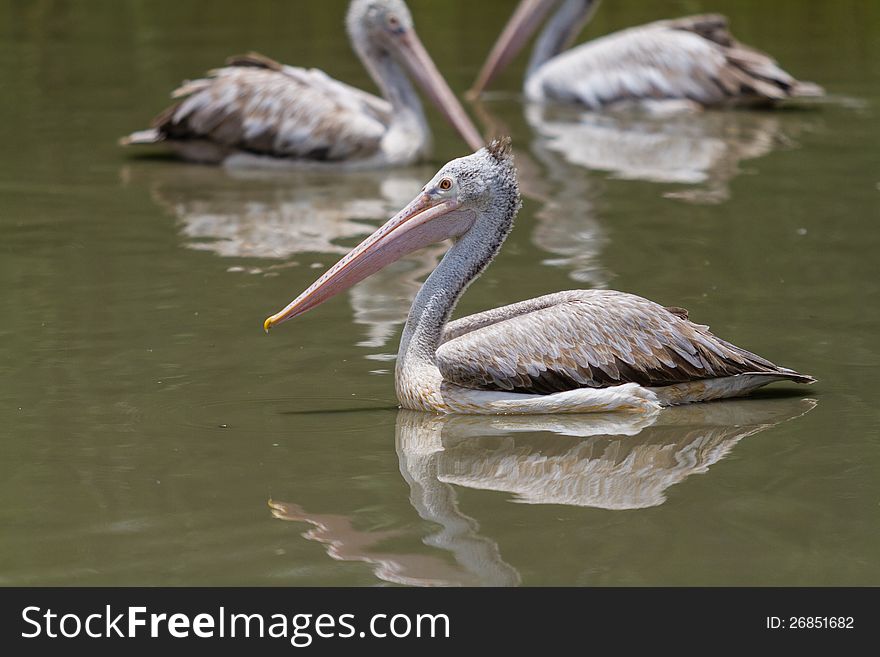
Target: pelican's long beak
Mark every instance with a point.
(422, 68)
(424, 221)
(525, 20)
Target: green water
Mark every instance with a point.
(148, 421)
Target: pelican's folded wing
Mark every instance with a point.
(262, 107)
(593, 338)
(691, 58)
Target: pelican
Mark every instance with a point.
(258, 112)
(684, 63)
(571, 352)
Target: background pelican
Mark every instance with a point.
(692, 61)
(576, 351)
(256, 111)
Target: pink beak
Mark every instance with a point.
(423, 69)
(424, 221)
(516, 33)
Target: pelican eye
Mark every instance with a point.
(445, 184)
(393, 22)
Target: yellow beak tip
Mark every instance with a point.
(267, 324)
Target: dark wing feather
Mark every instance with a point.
(593, 339)
(713, 27)
(748, 70)
(256, 60)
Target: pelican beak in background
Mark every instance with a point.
(420, 65)
(525, 20)
(429, 218)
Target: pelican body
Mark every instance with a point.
(258, 112)
(571, 352)
(684, 63)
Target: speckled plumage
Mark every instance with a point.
(279, 111)
(588, 338)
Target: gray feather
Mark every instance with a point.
(588, 338)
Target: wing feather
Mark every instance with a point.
(693, 58)
(261, 106)
(594, 338)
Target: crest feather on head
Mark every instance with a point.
(500, 149)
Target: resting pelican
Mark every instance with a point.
(692, 61)
(256, 111)
(570, 352)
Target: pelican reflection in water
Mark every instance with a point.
(566, 223)
(269, 221)
(701, 153)
(613, 462)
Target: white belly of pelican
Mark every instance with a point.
(424, 389)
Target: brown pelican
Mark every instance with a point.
(257, 112)
(570, 352)
(688, 62)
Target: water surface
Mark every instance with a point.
(154, 435)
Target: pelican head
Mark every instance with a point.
(474, 197)
(383, 29)
(529, 15)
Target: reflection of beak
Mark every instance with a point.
(424, 221)
(519, 28)
(422, 68)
